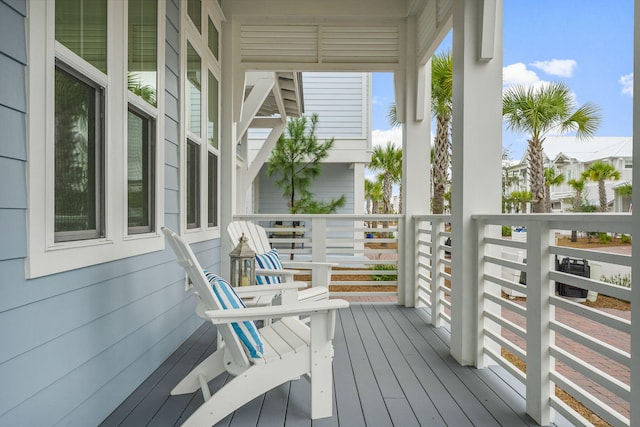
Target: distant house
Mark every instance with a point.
(571, 157)
(342, 101)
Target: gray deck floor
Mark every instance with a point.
(390, 369)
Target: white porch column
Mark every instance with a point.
(635, 291)
(227, 140)
(476, 160)
(416, 143)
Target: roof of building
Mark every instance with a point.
(585, 151)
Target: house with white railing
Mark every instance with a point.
(119, 117)
(571, 157)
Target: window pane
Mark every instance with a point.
(212, 123)
(194, 88)
(193, 185)
(81, 25)
(140, 173)
(213, 190)
(78, 159)
(194, 11)
(143, 49)
(212, 35)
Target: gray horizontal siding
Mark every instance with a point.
(13, 135)
(12, 35)
(335, 180)
(340, 101)
(75, 344)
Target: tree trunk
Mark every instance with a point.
(602, 193)
(440, 165)
(536, 175)
(547, 199)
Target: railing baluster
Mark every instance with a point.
(540, 312)
(318, 245)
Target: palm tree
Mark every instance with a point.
(373, 196)
(387, 161)
(600, 172)
(441, 107)
(520, 200)
(578, 200)
(537, 111)
(550, 178)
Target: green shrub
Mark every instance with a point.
(625, 238)
(604, 238)
(506, 231)
(618, 279)
(384, 277)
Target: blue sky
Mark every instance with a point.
(587, 44)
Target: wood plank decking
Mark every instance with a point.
(390, 369)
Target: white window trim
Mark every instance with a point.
(199, 41)
(44, 255)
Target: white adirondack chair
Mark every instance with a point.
(259, 242)
(291, 348)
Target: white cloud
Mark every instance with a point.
(557, 67)
(627, 84)
(518, 74)
(380, 137)
(381, 100)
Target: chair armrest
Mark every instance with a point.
(307, 265)
(287, 275)
(258, 290)
(258, 313)
(321, 271)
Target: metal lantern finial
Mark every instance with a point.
(243, 263)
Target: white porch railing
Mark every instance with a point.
(364, 247)
(582, 350)
(433, 266)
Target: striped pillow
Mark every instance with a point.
(269, 261)
(246, 330)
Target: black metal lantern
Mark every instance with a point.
(243, 264)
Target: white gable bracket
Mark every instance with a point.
(252, 104)
(264, 153)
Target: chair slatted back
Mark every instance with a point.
(257, 235)
(187, 259)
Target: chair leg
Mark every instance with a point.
(258, 379)
(209, 368)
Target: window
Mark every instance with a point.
(79, 195)
(95, 181)
(193, 185)
(628, 164)
(140, 172)
(201, 83)
(142, 45)
(81, 25)
(212, 211)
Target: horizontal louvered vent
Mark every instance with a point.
(278, 43)
(360, 44)
(338, 44)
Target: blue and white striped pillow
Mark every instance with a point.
(268, 261)
(246, 330)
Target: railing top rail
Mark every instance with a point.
(431, 217)
(610, 222)
(588, 217)
(292, 217)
